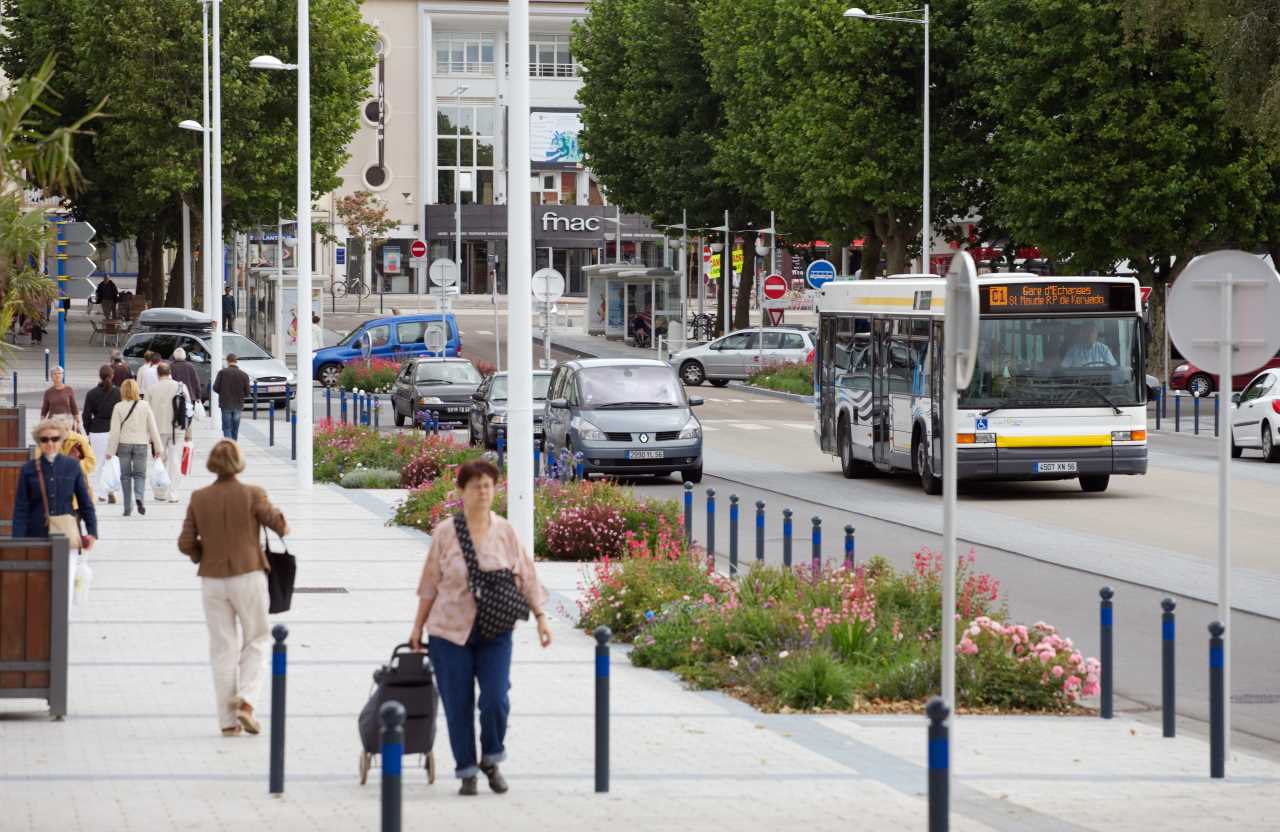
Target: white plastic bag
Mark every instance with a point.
(111, 476)
(83, 580)
(159, 476)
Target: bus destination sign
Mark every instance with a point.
(1072, 298)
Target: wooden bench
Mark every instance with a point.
(35, 582)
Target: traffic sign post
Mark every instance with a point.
(819, 273)
(418, 249)
(548, 287)
(774, 288)
(1221, 315)
(775, 316)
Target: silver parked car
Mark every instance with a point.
(626, 416)
(738, 354)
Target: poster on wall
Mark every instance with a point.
(597, 306)
(391, 259)
(290, 298)
(553, 138)
(616, 324)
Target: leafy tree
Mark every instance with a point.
(367, 219)
(143, 56)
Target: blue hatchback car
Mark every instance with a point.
(393, 338)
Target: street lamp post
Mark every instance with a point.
(519, 295)
(302, 256)
(457, 94)
(217, 266)
(910, 16)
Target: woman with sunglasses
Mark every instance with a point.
(47, 486)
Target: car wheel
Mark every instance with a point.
(329, 374)
(1269, 451)
(692, 374)
(1095, 483)
(931, 484)
(1200, 385)
(397, 415)
(719, 382)
(692, 475)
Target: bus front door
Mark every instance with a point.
(881, 417)
(825, 359)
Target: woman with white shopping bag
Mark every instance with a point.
(98, 404)
(133, 433)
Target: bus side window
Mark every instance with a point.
(919, 358)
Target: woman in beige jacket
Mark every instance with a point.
(222, 533)
(133, 432)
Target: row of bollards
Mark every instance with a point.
(1168, 692)
(1195, 413)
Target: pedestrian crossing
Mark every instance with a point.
(736, 424)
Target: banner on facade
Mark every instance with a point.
(553, 137)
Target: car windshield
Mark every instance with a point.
(447, 372)
(1057, 362)
(499, 390)
(623, 386)
(244, 349)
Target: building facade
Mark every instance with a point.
(433, 146)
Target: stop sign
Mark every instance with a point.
(774, 287)
(418, 248)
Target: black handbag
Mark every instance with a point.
(499, 601)
(284, 569)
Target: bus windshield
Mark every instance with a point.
(1057, 362)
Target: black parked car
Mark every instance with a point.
(489, 408)
(441, 386)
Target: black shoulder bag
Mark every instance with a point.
(499, 601)
(284, 569)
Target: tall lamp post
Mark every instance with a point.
(456, 94)
(302, 258)
(217, 267)
(919, 17)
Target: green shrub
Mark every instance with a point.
(371, 478)
(377, 376)
(813, 679)
(793, 377)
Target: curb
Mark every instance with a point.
(574, 351)
(774, 394)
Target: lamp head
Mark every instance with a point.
(855, 12)
(270, 62)
(191, 124)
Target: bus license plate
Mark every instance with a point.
(1055, 467)
(645, 454)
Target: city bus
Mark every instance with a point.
(1058, 390)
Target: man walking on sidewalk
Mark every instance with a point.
(169, 402)
(184, 371)
(120, 372)
(232, 387)
(148, 375)
(228, 311)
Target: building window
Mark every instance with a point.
(464, 53)
(464, 141)
(549, 57)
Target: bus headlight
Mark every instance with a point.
(1128, 436)
(975, 439)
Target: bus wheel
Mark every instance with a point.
(850, 466)
(1097, 482)
(932, 485)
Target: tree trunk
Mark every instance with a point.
(895, 240)
(872, 248)
(151, 267)
(746, 282)
(173, 295)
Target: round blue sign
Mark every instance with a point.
(819, 273)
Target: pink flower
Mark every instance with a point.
(1057, 671)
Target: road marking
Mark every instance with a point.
(484, 332)
(798, 425)
(749, 426)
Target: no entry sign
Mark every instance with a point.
(418, 248)
(775, 287)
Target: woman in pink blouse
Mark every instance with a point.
(447, 609)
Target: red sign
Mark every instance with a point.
(418, 248)
(1146, 293)
(706, 254)
(775, 316)
(774, 287)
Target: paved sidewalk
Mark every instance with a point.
(140, 748)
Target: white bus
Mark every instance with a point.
(1058, 391)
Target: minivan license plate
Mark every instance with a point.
(1055, 467)
(645, 454)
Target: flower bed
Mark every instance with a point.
(342, 448)
(794, 377)
(579, 520)
(376, 377)
(839, 640)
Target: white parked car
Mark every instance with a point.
(738, 354)
(1255, 416)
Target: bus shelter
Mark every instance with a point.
(271, 311)
(619, 294)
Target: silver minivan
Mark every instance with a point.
(626, 416)
(738, 354)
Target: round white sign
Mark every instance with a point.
(1196, 308)
(435, 339)
(548, 285)
(443, 272)
(961, 325)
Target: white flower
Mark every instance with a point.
(784, 654)
(733, 661)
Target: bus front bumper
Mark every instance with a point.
(1049, 463)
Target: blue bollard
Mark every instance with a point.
(377, 413)
(1217, 705)
(1167, 644)
(392, 714)
(816, 538)
(328, 404)
(759, 531)
(711, 530)
(1196, 419)
(255, 401)
(293, 437)
(939, 765)
(602, 709)
(1159, 406)
(279, 661)
(502, 449)
(786, 538)
(15, 388)
(537, 460)
(1164, 400)
(848, 548)
(1216, 399)
(271, 428)
(733, 535)
(579, 467)
(1177, 414)
(1108, 657)
(688, 514)
(342, 406)
(46, 365)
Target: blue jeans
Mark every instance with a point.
(458, 669)
(231, 424)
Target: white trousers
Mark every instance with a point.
(239, 658)
(98, 441)
(171, 453)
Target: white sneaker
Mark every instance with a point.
(174, 499)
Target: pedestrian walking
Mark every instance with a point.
(108, 294)
(221, 534)
(120, 372)
(53, 494)
(76, 446)
(98, 404)
(133, 433)
(447, 608)
(148, 374)
(232, 387)
(172, 408)
(228, 310)
(59, 398)
(184, 371)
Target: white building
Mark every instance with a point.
(435, 125)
